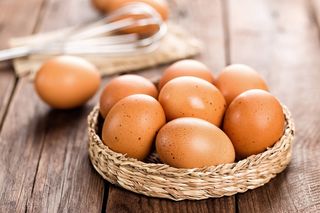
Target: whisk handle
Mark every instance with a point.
(13, 53)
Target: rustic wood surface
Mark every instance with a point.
(282, 42)
(44, 164)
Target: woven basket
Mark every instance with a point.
(155, 179)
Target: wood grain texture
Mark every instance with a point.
(192, 16)
(43, 151)
(57, 14)
(13, 26)
(15, 187)
(281, 40)
(17, 18)
(123, 201)
(204, 20)
(7, 84)
(65, 180)
(20, 150)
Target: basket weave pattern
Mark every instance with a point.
(152, 178)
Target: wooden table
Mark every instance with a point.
(44, 164)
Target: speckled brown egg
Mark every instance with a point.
(132, 124)
(66, 82)
(124, 86)
(193, 143)
(192, 97)
(254, 121)
(237, 78)
(187, 67)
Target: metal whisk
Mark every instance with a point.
(102, 37)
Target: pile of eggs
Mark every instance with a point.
(192, 118)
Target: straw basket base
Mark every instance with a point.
(152, 178)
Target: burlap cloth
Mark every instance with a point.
(177, 44)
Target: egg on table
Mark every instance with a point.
(192, 97)
(193, 143)
(254, 121)
(66, 82)
(187, 67)
(132, 124)
(124, 86)
(237, 78)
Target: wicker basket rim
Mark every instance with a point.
(289, 129)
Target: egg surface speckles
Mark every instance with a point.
(254, 121)
(124, 86)
(192, 97)
(237, 78)
(186, 67)
(193, 143)
(132, 124)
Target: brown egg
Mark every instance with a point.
(132, 124)
(253, 121)
(161, 6)
(143, 31)
(66, 82)
(192, 97)
(124, 86)
(186, 67)
(193, 143)
(237, 78)
(99, 4)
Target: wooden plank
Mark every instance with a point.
(121, 200)
(204, 20)
(281, 40)
(12, 26)
(7, 84)
(65, 180)
(14, 186)
(44, 152)
(58, 14)
(13, 18)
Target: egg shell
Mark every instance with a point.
(99, 4)
(124, 86)
(132, 124)
(254, 121)
(192, 97)
(161, 6)
(145, 30)
(193, 143)
(237, 78)
(187, 67)
(66, 82)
